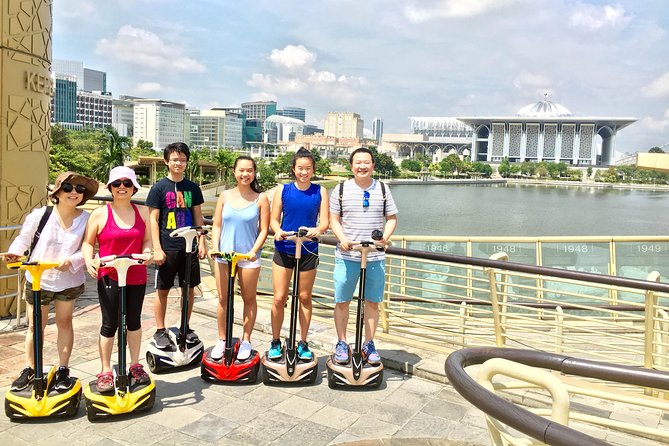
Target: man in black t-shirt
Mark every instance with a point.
(174, 202)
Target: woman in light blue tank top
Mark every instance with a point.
(295, 205)
(241, 222)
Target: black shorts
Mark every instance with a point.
(307, 261)
(175, 264)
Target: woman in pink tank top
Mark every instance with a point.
(120, 228)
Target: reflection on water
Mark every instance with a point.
(528, 210)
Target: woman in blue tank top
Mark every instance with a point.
(296, 205)
(241, 222)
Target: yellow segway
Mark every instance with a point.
(127, 395)
(40, 399)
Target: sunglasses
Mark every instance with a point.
(78, 188)
(125, 183)
(365, 199)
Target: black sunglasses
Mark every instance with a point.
(365, 199)
(125, 183)
(79, 188)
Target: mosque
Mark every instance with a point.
(543, 131)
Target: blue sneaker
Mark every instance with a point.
(370, 354)
(341, 352)
(274, 351)
(303, 351)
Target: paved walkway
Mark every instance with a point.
(416, 408)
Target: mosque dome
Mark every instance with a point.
(543, 109)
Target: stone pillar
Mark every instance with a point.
(25, 96)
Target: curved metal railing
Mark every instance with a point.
(523, 420)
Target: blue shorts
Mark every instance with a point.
(346, 274)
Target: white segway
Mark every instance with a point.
(180, 352)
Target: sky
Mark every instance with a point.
(388, 59)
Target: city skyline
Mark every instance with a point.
(392, 59)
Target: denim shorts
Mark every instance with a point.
(347, 273)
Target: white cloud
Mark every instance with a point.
(146, 50)
(148, 88)
(429, 10)
(292, 56)
(262, 96)
(527, 80)
(274, 84)
(593, 18)
(659, 87)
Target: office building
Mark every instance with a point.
(64, 100)
(216, 128)
(94, 109)
(159, 122)
(123, 116)
(293, 112)
(377, 130)
(343, 125)
(260, 110)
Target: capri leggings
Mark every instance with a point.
(110, 300)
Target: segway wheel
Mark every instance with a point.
(332, 381)
(379, 380)
(151, 362)
(265, 376)
(73, 406)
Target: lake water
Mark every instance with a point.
(529, 210)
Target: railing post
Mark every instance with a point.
(500, 335)
(464, 313)
(649, 333)
(559, 329)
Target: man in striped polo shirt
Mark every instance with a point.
(364, 205)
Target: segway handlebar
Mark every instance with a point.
(189, 233)
(121, 263)
(231, 257)
(301, 233)
(35, 267)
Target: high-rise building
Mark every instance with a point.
(259, 110)
(123, 116)
(94, 109)
(64, 100)
(377, 129)
(159, 122)
(95, 80)
(343, 125)
(293, 112)
(216, 128)
(71, 68)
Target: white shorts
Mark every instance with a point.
(243, 263)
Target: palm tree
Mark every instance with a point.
(112, 152)
(225, 159)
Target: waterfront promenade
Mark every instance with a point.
(415, 405)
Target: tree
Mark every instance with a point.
(142, 148)
(452, 164)
(656, 150)
(323, 167)
(113, 150)
(266, 174)
(282, 164)
(384, 164)
(225, 158)
(480, 167)
(504, 168)
(411, 165)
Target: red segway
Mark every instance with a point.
(289, 368)
(228, 368)
(358, 372)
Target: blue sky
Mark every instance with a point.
(384, 58)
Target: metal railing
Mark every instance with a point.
(526, 368)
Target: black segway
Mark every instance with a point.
(127, 396)
(289, 368)
(180, 352)
(40, 399)
(228, 368)
(358, 372)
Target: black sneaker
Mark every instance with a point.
(191, 337)
(24, 380)
(62, 380)
(162, 339)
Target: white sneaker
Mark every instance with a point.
(244, 351)
(218, 350)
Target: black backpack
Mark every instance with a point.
(341, 197)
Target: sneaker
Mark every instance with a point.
(341, 352)
(105, 382)
(191, 337)
(138, 374)
(244, 351)
(162, 339)
(274, 351)
(370, 354)
(218, 350)
(24, 380)
(62, 381)
(303, 351)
